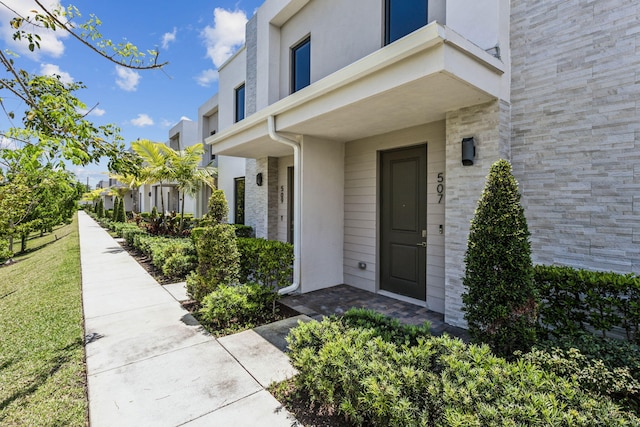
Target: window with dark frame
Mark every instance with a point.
(301, 65)
(239, 103)
(238, 196)
(404, 17)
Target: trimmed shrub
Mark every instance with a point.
(591, 373)
(234, 307)
(243, 230)
(218, 260)
(267, 262)
(388, 328)
(574, 300)
(218, 209)
(440, 381)
(100, 208)
(500, 301)
(5, 253)
(176, 257)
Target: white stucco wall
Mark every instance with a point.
(322, 207)
(229, 168)
(186, 132)
(334, 43)
(232, 75)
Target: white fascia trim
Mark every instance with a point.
(232, 57)
(425, 38)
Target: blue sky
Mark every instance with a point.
(194, 36)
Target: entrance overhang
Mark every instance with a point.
(415, 80)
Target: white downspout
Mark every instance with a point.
(297, 214)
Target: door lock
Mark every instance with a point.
(423, 244)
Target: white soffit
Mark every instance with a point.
(413, 81)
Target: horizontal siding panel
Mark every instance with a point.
(360, 216)
(359, 223)
(359, 256)
(359, 207)
(351, 247)
(360, 283)
(357, 240)
(363, 232)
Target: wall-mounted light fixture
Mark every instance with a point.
(259, 179)
(468, 151)
(149, 193)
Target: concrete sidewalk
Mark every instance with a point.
(149, 362)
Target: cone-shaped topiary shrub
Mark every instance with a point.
(500, 301)
(122, 214)
(218, 208)
(100, 208)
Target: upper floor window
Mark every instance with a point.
(239, 103)
(301, 65)
(404, 17)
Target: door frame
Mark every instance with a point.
(379, 231)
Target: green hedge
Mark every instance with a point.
(440, 381)
(267, 262)
(176, 257)
(573, 300)
(231, 308)
(218, 260)
(243, 230)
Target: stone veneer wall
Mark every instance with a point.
(576, 129)
(489, 125)
(251, 79)
(261, 203)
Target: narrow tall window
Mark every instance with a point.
(301, 65)
(404, 17)
(239, 200)
(239, 103)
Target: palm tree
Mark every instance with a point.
(155, 164)
(132, 182)
(187, 174)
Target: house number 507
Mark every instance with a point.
(440, 187)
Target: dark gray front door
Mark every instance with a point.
(403, 198)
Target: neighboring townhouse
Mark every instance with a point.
(183, 134)
(108, 198)
(368, 133)
(231, 170)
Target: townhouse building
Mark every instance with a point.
(366, 130)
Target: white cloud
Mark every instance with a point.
(95, 111)
(165, 123)
(207, 77)
(8, 143)
(51, 42)
(142, 120)
(98, 112)
(54, 70)
(168, 38)
(226, 35)
(127, 79)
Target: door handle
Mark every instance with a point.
(423, 244)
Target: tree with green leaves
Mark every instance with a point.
(162, 164)
(185, 171)
(500, 301)
(35, 191)
(133, 183)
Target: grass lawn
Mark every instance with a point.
(42, 372)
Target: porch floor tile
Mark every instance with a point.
(339, 299)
